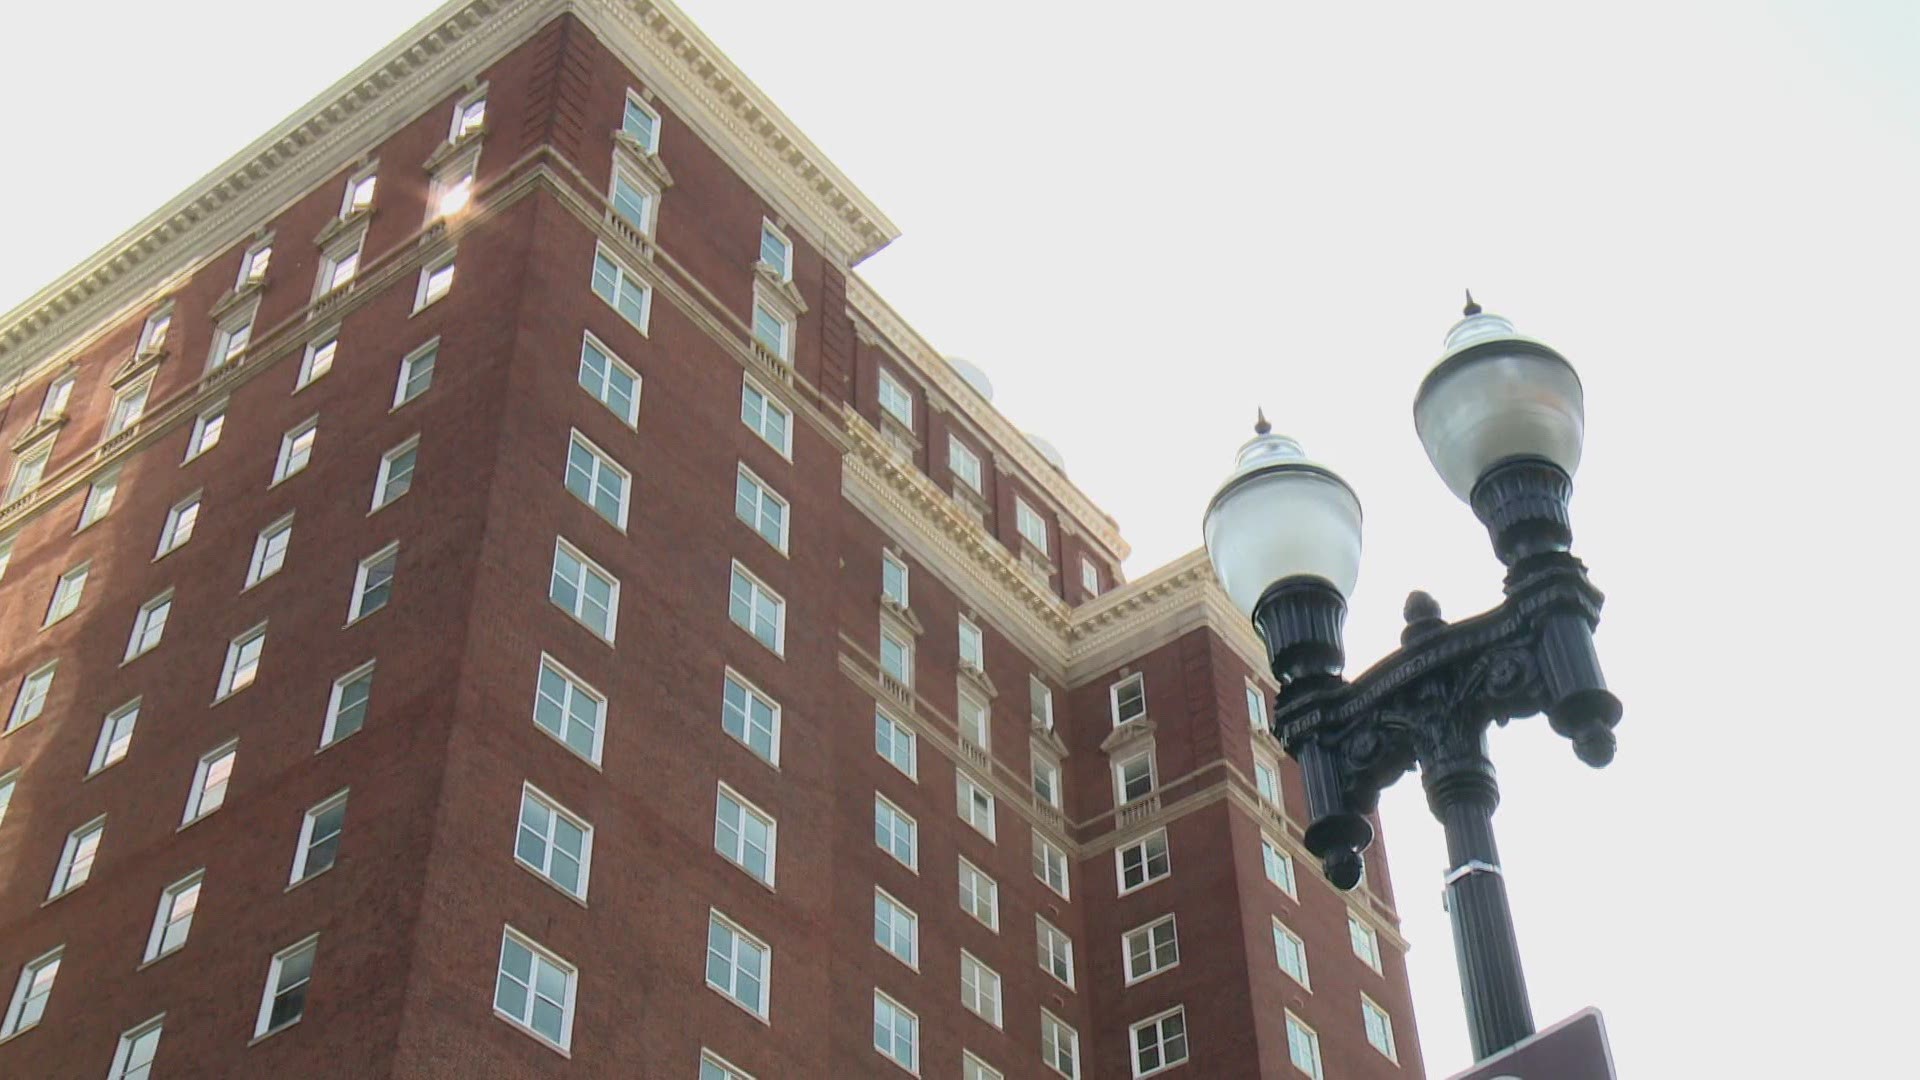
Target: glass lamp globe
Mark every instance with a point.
(1279, 516)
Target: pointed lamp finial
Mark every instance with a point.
(1472, 308)
(1260, 425)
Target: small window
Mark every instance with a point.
(594, 479)
(715, 1067)
(1366, 940)
(116, 736)
(1151, 949)
(745, 835)
(100, 495)
(1030, 524)
(896, 833)
(964, 463)
(174, 920)
(632, 198)
(896, 400)
(270, 551)
(973, 646)
(359, 193)
(1059, 1046)
(296, 449)
(1039, 703)
(28, 468)
(761, 508)
(1056, 951)
(972, 1068)
(979, 895)
(1050, 865)
(583, 590)
(776, 251)
(373, 582)
(129, 405)
(469, 116)
(738, 965)
(451, 187)
(436, 280)
(284, 1000)
(31, 699)
(1278, 866)
(207, 428)
(181, 518)
(416, 373)
(751, 717)
(979, 989)
(1143, 862)
(133, 1057)
(153, 334)
(7, 783)
(1159, 1042)
(1256, 707)
(1303, 1047)
(896, 657)
(76, 859)
(149, 624)
(319, 843)
(1133, 778)
(773, 330)
(231, 336)
(30, 994)
(210, 779)
(243, 661)
(767, 418)
(318, 359)
(975, 805)
(1046, 780)
(553, 842)
(896, 929)
(1291, 952)
(976, 721)
(1129, 698)
(757, 609)
(565, 707)
(1266, 779)
(641, 124)
(611, 382)
(6, 555)
(896, 1033)
(59, 392)
(254, 264)
(1089, 578)
(347, 704)
(621, 289)
(66, 593)
(893, 578)
(339, 264)
(535, 990)
(896, 743)
(1379, 1028)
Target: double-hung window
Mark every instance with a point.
(1133, 777)
(76, 858)
(895, 399)
(776, 252)
(632, 197)
(979, 989)
(611, 382)
(395, 477)
(745, 835)
(1143, 862)
(436, 281)
(773, 329)
(972, 1068)
(270, 551)
(320, 832)
(1379, 1027)
(133, 1058)
(1151, 949)
(243, 661)
(30, 994)
(339, 262)
(583, 590)
(979, 895)
(347, 704)
(535, 990)
(31, 699)
(174, 920)
(1050, 865)
(28, 467)
(1059, 1046)
(764, 511)
(181, 518)
(373, 582)
(1030, 524)
(318, 359)
(153, 334)
(896, 928)
(565, 707)
(1089, 578)
(1266, 779)
(451, 187)
(1046, 779)
(594, 479)
(1159, 1042)
(621, 289)
(1366, 940)
(975, 804)
(1128, 698)
(116, 736)
(416, 373)
(1256, 708)
(976, 722)
(896, 656)
(1056, 951)
(973, 647)
(739, 965)
(766, 417)
(284, 1001)
(640, 123)
(1291, 952)
(231, 336)
(1278, 865)
(296, 448)
(964, 463)
(67, 591)
(893, 579)
(896, 1033)
(553, 842)
(715, 1067)
(207, 428)
(210, 779)
(896, 833)
(129, 405)
(100, 496)
(469, 115)
(896, 743)
(757, 609)
(59, 392)
(359, 193)
(7, 782)
(751, 717)
(254, 264)
(1303, 1047)
(1039, 703)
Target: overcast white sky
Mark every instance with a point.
(1143, 219)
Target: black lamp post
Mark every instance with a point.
(1501, 417)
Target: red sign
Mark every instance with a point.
(1573, 1049)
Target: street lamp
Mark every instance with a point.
(1501, 418)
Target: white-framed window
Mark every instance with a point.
(269, 551)
(28, 468)
(895, 399)
(1379, 1027)
(76, 858)
(451, 187)
(964, 463)
(1133, 777)
(976, 722)
(1278, 865)
(59, 392)
(1059, 1046)
(320, 832)
(373, 582)
(469, 115)
(1128, 698)
(893, 578)
(583, 590)
(776, 251)
(1050, 865)
(133, 1057)
(1303, 1047)
(6, 555)
(207, 428)
(764, 511)
(973, 645)
(1029, 523)
(116, 736)
(358, 195)
(31, 699)
(534, 990)
(254, 264)
(1159, 1042)
(1089, 577)
(773, 328)
(67, 591)
(395, 477)
(896, 833)
(318, 359)
(896, 743)
(896, 656)
(210, 779)
(153, 333)
(751, 717)
(979, 988)
(1040, 703)
(100, 496)
(621, 289)
(896, 1033)
(715, 1067)
(739, 965)
(243, 661)
(1256, 707)
(174, 920)
(565, 707)
(642, 124)
(757, 609)
(974, 803)
(181, 518)
(745, 835)
(416, 373)
(766, 418)
(31, 992)
(1055, 951)
(284, 1000)
(436, 281)
(553, 842)
(347, 704)
(1046, 779)
(129, 405)
(8, 781)
(896, 928)
(979, 895)
(595, 479)
(1291, 952)
(296, 448)
(1150, 949)
(611, 382)
(1366, 940)
(632, 197)
(339, 263)
(1143, 862)
(1266, 779)
(231, 336)
(972, 1068)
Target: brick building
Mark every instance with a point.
(486, 592)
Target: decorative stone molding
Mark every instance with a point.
(43, 429)
(1127, 736)
(472, 141)
(138, 364)
(784, 293)
(979, 680)
(900, 617)
(341, 226)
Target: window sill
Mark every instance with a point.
(551, 884)
(735, 1002)
(145, 964)
(12, 1035)
(197, 818)
(296, 884)
(271, 1032)
(569, 748)
(62, 894)
(229, 694)
(532, 1034)
(1138, 979)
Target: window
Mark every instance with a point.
(1366, 940)
(745, 835)
(1030, 523)
(773, 330)
(757, 609)
(1291, 952)
(133, 1058)
(581, 589)
(296, 449)
(895, 833)
(359, 193)
(347, 704)
(972, 1068)
(896, 743)
(318, 359)
(896, 400)
(1303, 1047)
(31, 992)
(714, 1067)
(632, 198)
(116, 736)
(284, 1000)
(59, 392)
(756, 504)
(751, 717)
(395, 477)
(893, 578)
(979, 895)
(611, 382)
(553, 842)
(618, 286)
(469, 116)
(535, 989)
(270, 551)
(6, 555)
(416, 373)
(1143, 862)
(319, 839)
(1050, 865)
(594, 479)
(964, 463)
(1059, 1046)
(569, 710)
(896, 929)
(896, 657)
(768, 418)
(76, 859)
(1379, 1028)
(1159, 1042)
(1040, 703)
(1256, 708)
(451, 188)
(1133, 778)
(7, 783)
(1278, 865)
(896, 1033)
(153, 335)
(231, 336)
(28, 467)
(31, 699)
(973, 649)
(66, 593)
(975, 805)
(210, 779)
(1151, 949)
(979, 989)
(175, 917)
(206, 430)
(776, 251)
(1056, 951)
(641, 124)
(181, 519)
(243, 661)
(339, 262)
(1266, 779)
(976, 722)
(129, 405)
(254, 264)
(738, 965)
(1089, 577)
(436, 280)
(1046, 779)
(373, 582)
(1129, 698)
(99, 498)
